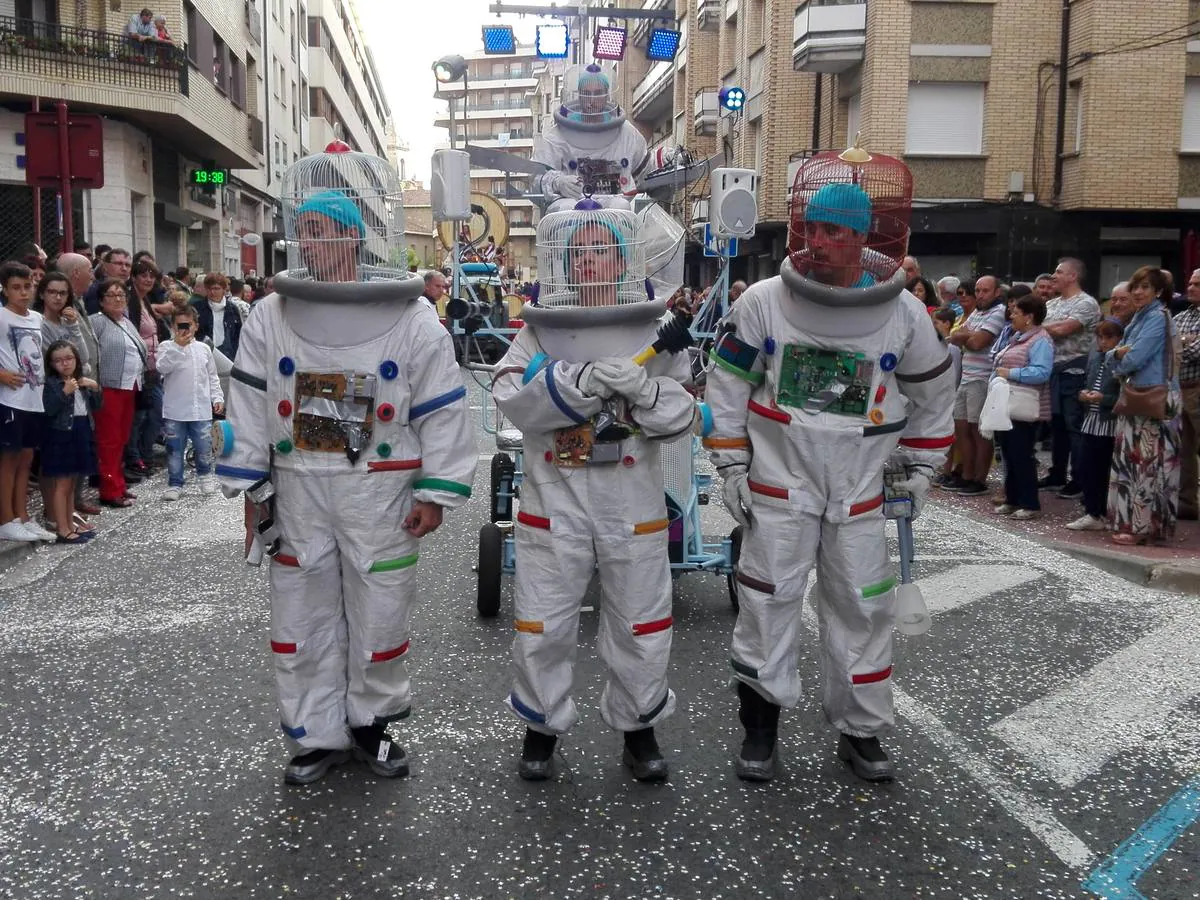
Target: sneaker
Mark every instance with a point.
(38, 531)
(866, 758)
(1006, 509)
(973, 488)
(208, 485)
(383, 756)
(953, 483)
(1070, 491)
(132, 477)
(1024, 515)
(537, 756)
(172, 494)
(1088, 523)
(15, 531)
(312, 766)
(1051, 484)
(642, 755)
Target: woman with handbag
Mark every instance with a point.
(1143, 492)
(121, 366)
(147, 306)
(1026, 364)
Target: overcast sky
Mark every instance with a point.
(406, 37)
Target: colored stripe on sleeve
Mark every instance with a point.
(529, 626)
(917, 443)
(742, 669)
(391, 565)
(282, 647)
(756, 584)
(865, 506)
(533, 521)
(875, 590)
(652, 527)
(872, 677)
(385, 655)
(752, 377)
(658, 708)
(294, 733)
(776, 415)
(727, 443)
(393, 465)
(886, 428)
(286, 559)
(525, 712)
(436, 403)
(240, 473)
(928, 375)
(558, 400)
(259, 384)
(767, 490)
(644, 628)
(442, 484)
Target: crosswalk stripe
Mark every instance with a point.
(965, 584)
(1072, 732)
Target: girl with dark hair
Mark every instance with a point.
(68, 452)
(923, 289)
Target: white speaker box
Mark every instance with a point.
(450, 186)
(733, 204)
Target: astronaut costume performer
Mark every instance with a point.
(822, 376)
(346, 402)
(593, 494)
(590, 147)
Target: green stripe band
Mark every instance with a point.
(391, 565)
(874, 590)
(743, 669)
(752, 377)
(442, 484)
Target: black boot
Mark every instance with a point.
(643, 756)
(537, 755)
(866, 758)
(313, 765)
(760, 718)
(374, 746)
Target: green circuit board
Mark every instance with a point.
(816, 379)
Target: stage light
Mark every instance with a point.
(732, 98)
(449, 69)
(552, 42)
(609, 42)
(499, 40)
(662, 45)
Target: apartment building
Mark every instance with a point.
(495, 108)
(167, 110)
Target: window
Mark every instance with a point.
(193, 44)
(853, 118)
(1190, 141)
(1074, 117)
(945, 119)
(314, 32)
(220, 65)
(295, 106)
(303, 18)
(292, 32)
(275, 87)
(305, 97)
(237, 82)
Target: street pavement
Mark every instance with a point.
(1048, 738)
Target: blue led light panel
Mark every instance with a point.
(662, 45)
(552, 41)
(499, 39)
(609, 43)
(732, 98)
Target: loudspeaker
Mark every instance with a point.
(733, 205)
(450, 186)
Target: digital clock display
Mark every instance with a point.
(216, 177)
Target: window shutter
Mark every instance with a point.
(945, 119)
(1191, 115)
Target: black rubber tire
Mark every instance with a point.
(503, 472)
(491, 552)
(735, 554)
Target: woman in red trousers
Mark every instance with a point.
(121, 367)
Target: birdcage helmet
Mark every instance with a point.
(589, 98)
(664, 239)
(848, 226)
(343, 220)
(591, 268)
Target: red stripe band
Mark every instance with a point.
(393, 465)
(385, 655)
(777, 415)
(767, 490)
(533, 521)
(281, 647)
(864, 506)
(286, 559)
(872, 677)
(642, 628)
(941, 443)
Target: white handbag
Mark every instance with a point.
(1024, 402)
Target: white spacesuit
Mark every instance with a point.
(822, 376)
(593, 494)
(347, 402)
(589, 146)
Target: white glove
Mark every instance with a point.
(916, 485)
(625, 378)
(736, 493)
(592, 386)
(563, 185)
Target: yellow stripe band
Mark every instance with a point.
(730, 443)
(528, 626)
(651, 527)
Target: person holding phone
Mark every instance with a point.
(191, 396)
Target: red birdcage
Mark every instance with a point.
(843, 202)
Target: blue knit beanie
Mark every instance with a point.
(336, 206)
(592, 77)
(841, 204)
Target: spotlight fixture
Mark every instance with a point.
(662, 45)
(732, 98)
(498, 40)
(609, 42)
(449, 69)
(552, 42)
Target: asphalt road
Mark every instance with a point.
(1049, 715)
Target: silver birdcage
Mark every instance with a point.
(664, 240)
(590, 257)
(343, 218)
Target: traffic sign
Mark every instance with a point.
(718, 247)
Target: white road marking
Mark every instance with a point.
(1072, 732)
(1063, 842)
(965, 584)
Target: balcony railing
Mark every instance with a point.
(705, 110)
(57, 52)
(829, 37)
(708, 14)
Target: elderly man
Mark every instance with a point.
(1187, 324)
(912, 268)
(975, 338)
(1070, 318)
(435, 288)
(141, 27)
(736, 290)
(115, 263)
(1120, 303)
(78, 269)
(947, 289)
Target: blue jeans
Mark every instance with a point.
(1066, 422)
(147, 426)
(177, 438)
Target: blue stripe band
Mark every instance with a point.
(706, 420)
(558, 400)
(429, 406)
(244, 474)
(524, 711)
(294, 733)
(539, 362)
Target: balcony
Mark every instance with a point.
(829, 38)
(254, 22)
(652, 97)
(705, 112)
(731, 10)
(708, 14)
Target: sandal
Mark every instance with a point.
(69, 539)
(82, 524)
(88, 509)
(1129, 540)
(120, 503)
